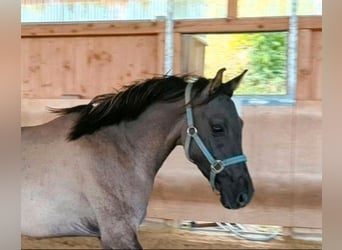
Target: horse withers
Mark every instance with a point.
(90, 171)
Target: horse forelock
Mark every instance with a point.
(128, 103)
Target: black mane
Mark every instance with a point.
(128, 103)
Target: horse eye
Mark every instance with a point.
(217, 128)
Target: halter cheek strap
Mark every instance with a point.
(216, 166)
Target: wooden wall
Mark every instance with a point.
(87, 64)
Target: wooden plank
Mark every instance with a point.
(186, 26)
(304, 65)
(245, 25)
(91, 29)
(82, 74)
(232, 9)
(61, 51)
(192, 61)
(25, 74)
(309, 65)
(46, 64)
(317, 65)
(160, 53)
(177, 56)
(31, 70)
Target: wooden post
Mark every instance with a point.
(232, 9)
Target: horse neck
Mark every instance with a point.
(152, 137)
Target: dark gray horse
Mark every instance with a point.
(90, 171)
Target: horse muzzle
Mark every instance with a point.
(239, 197)
(240, 201)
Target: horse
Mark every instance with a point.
(90, 171)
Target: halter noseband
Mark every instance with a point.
(216, 166)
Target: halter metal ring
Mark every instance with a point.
(191, 130)
(217, 167)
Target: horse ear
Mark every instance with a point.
(212, 86)
(217, 81)
(230, 86)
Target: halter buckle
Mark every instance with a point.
(217, 166)
(191, 131)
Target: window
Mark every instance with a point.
(200, 9)
(263, 54)
(109, 10)
(267, 8)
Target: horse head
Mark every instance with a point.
(213, 140)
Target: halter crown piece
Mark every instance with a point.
(216, 166)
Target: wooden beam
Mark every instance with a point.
(91, 29)
(232, 9)
(245, 25)
(186, 26)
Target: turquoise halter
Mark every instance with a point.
(216, 166)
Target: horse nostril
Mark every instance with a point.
(242, 199)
